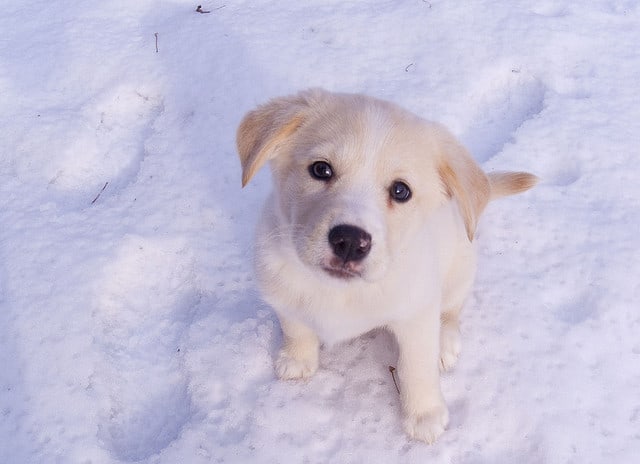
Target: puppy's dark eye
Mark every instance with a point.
(321, 170)
(400, 192)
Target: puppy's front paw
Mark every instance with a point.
(429, 425)
(291, 366)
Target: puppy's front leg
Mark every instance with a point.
(426, 414)
(298, 357)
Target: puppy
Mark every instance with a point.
(370, 224)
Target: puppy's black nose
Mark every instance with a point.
(349, 243)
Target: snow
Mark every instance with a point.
(130, 326)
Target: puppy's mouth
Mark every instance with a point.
(342, 270)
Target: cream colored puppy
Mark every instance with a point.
(370, 224)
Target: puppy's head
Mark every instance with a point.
(356, 178)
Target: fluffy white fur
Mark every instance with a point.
(421, 264)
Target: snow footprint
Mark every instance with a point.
(79, 150)
(144, 303)
(502, 102)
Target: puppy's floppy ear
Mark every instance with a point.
(464, 181)
(264, 129)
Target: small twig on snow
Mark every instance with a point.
(200, 10)
(156, 34)
(100, 193)
(393, 376)
(408, 66)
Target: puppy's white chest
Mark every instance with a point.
(343, 310)
(339, 319)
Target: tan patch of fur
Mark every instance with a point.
(264, 129)
(468, 185)
(510, 183)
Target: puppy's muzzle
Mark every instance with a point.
(349, 243)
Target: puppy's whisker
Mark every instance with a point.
(282, 232)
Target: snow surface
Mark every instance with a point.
(130, 326)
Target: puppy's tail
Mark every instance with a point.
(510, 183)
